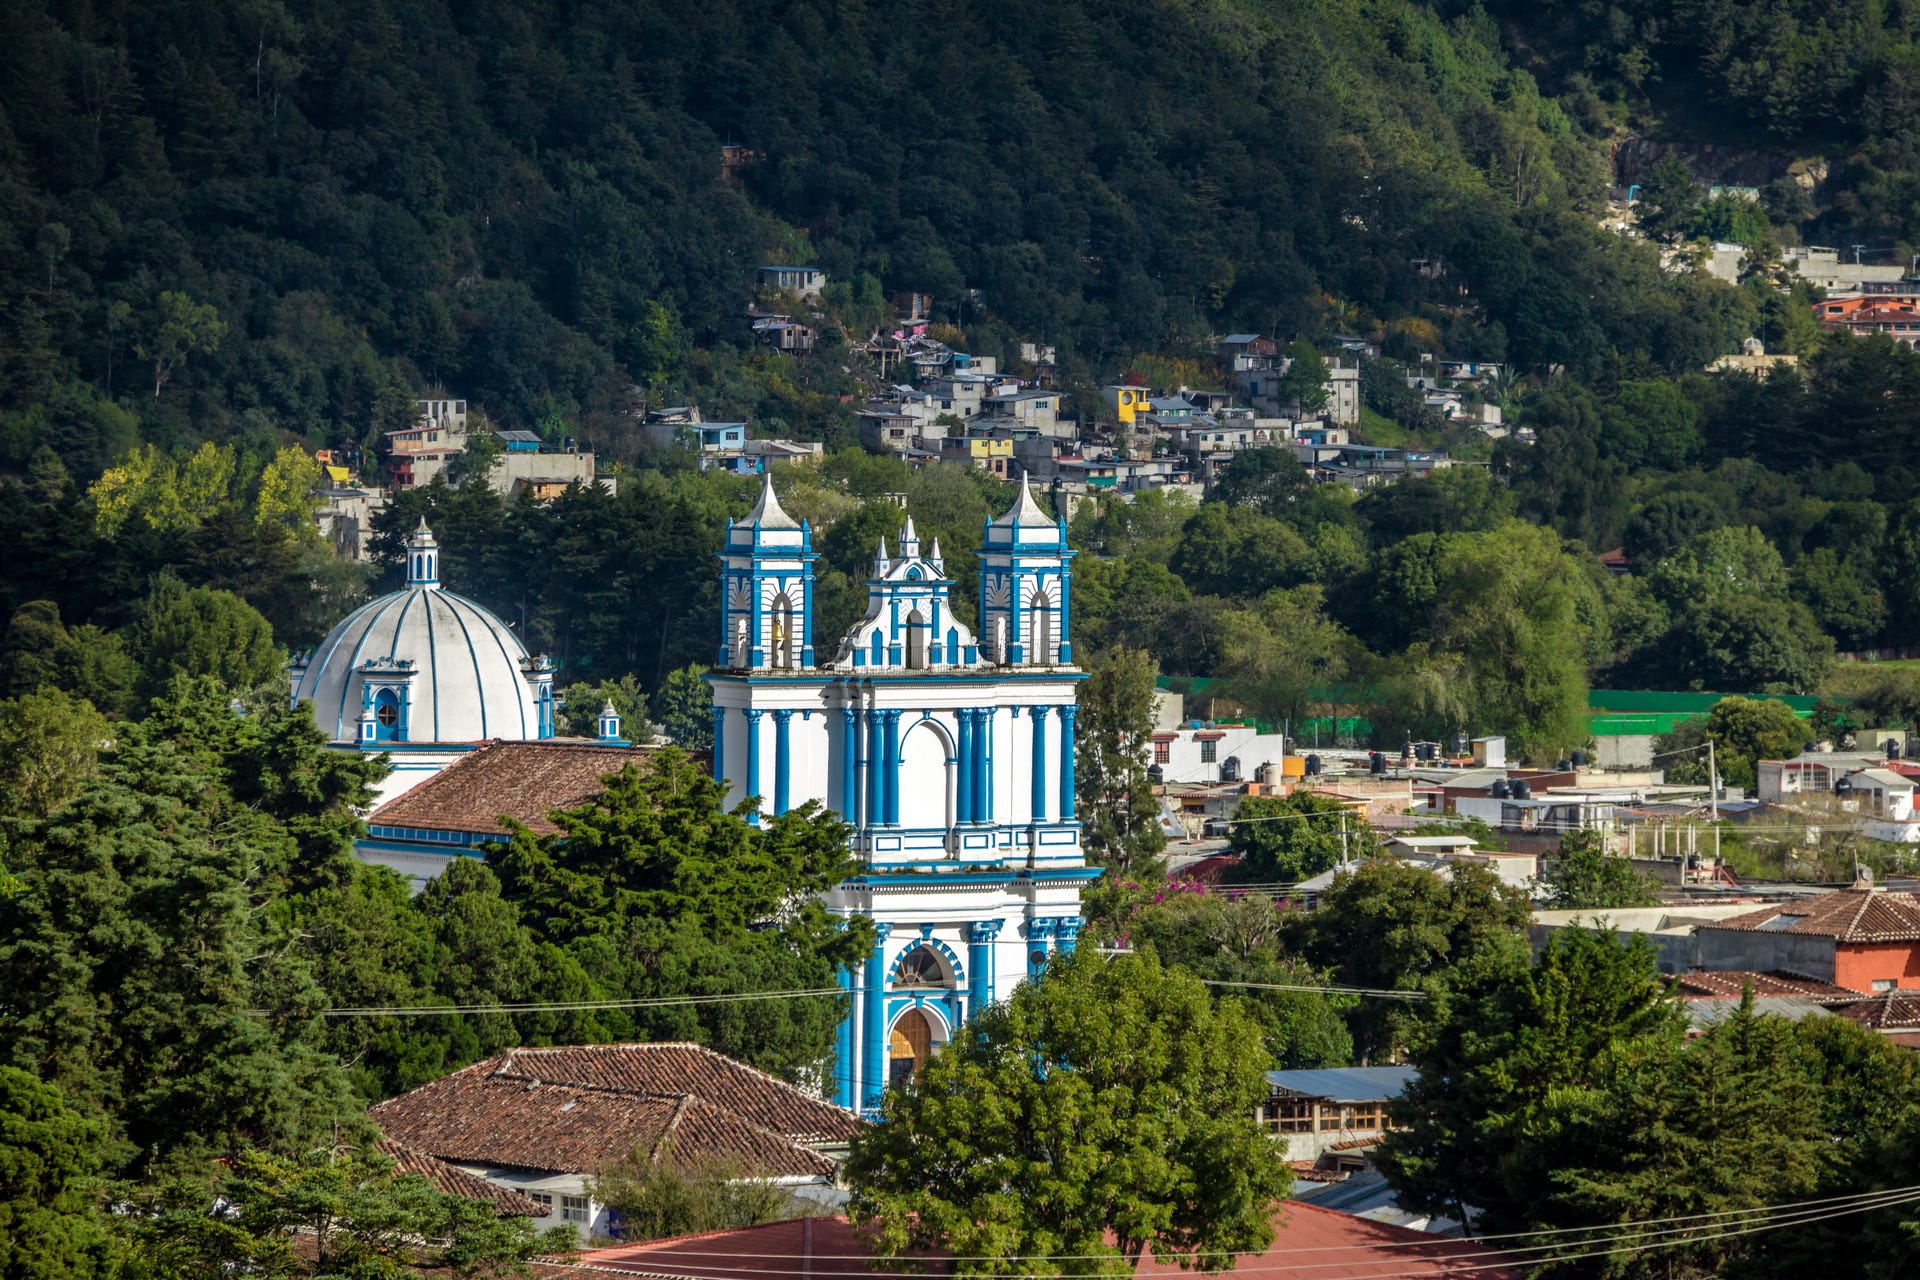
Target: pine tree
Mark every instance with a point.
(1119, 813)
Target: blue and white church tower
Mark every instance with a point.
(951, 755)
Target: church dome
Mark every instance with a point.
(424, 665)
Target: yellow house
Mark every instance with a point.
(1124, 401)
(986, 452)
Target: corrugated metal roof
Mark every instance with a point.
(1344, 1084)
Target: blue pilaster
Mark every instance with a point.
(1067, 714)
(753, 715)
(849, 764)
(1039, 715)
(980, 936)
(806, 612)
(873, 1076)
(719, 744)
(1067, 934)
(782, 761)
(1016, 609)
(1039, 935)
(983, 789)
(963, 804)
(843, 1048)
(876, 775)
(890, 766)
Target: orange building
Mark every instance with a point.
(1862, 938)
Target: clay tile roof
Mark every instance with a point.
(1309, 1243)
(576, 1109)
(1845, 915)
(518, 780)
(1887, 1011)
(1729, 984)
(458, 1182)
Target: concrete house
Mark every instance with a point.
(807, 282)
(1864, 939)
(1312, 1111)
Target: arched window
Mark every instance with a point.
(922, 967)
(782, 655)
(917, 640)
(1040, 616)
(386, 715)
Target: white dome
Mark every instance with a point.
(452, 670)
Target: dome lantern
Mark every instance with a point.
(423, 558)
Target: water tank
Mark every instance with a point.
(1893, 748)
(1156, 775)
(1272, 776)
(1500, 790)
(1230, 769)
(1376, 762)
(1521, 791)
(1428, 751)
(1460, 744)
(1579, 759)
(1406, 749)
(1844, 787)
(1313, 766)
(1564, 765)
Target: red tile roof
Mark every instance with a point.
(1887, 1011)
(458, 1182)
(1845, 915)
(1731, 983)
(518, 780)
(577, 1109)
(1310, 1243)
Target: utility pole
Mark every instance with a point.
(1343, 839)
(1713, 800)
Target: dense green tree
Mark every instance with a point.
(1670, 199)
(1583, 876)
(664, 1195)
(328, 1214)
(1100, 1112)
(1305, 381)
(580, 717)
(182, 631)
(1297, 836)
(1390, 926)
(50, 745)
(51, 1222)
(1284, 654)
(684, 708)
(1743, 731)
(1113, 796)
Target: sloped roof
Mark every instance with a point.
(577, 1110)
(768, 513)
(1887, 1011)
(1025, 513)
(1845, 915)
(452, 1181)
(1345, 1084)
(518, 780)
(1730, 983)
(1309, 1243)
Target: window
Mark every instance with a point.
(1883, 984)
(1209, 750)
(575, 1209)
(921, 968)
(544, 1199)
(1287, 1115)
(1162, 752)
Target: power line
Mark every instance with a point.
(564, 1006)
(1620, 1238)
(1381, 992)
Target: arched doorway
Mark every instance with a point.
(909, 1047)
(926, 778)
(917, 641)
(782, 631)
(1040, 614)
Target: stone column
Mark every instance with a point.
(753, 715)
(964, 752)
(980, 936)
(849, 765)
(1067, 714)
(1039, 715)
(782, 760)
(874, 1077)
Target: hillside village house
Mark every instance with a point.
(806, 282)
(1313, 1110)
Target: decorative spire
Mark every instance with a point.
(881, 562)
(767, 513)
(909, 541)
(423, 558)
(1025, 513)
(609, 725)
(934, 555)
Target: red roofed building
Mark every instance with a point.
(1864, 939)
(1310, 1243)
(542, 1121)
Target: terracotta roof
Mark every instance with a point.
(1887, 1011)
(519, 780)
(1845, 915)
(576, 1109)
(458, 1182)
(1310, 1243)
(1774, 982)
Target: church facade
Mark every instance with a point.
(950, 753)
